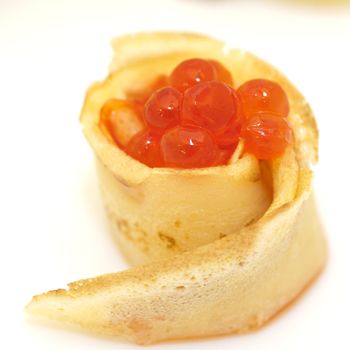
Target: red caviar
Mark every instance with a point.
(188, 147)
(224, 156)
(211, 105)
(162, 110)
(191, 72)
(229, 138)
(145, 147)
(223, 74)
(266, 135)
(195, 118)
(261, 95)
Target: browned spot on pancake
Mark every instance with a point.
(177, 223)
(138, 325)
(254, 322)
(169, 241)
(124, 228)
(180, 287)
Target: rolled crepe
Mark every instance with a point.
(218, 250)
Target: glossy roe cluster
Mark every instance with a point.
(194, 118)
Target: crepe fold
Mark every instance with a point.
(217, 250)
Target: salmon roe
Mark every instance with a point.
(261, 95)
(184, 146)
(162, 110)
(266, 135)
(145, 147)
(211, 105)
(195, 117)
(191, 72)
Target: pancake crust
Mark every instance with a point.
(219, 250)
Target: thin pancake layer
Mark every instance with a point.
(206, 284)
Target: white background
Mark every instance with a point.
(53, 229)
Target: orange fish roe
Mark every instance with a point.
(194, 118)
